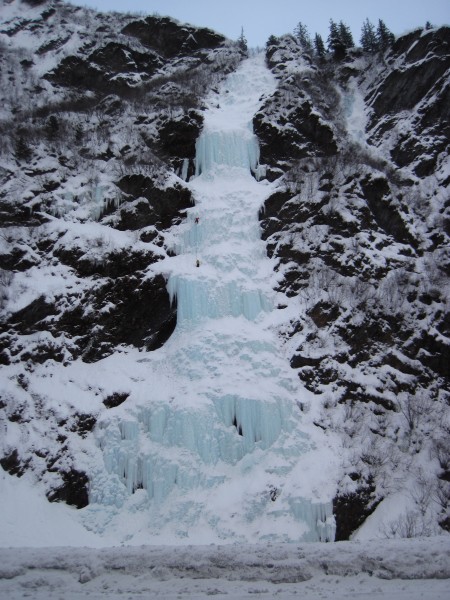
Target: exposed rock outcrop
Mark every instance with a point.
(171, 39)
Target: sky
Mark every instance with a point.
(262, 18)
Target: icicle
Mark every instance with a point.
(184, 169)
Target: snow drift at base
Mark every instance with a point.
(387, 569)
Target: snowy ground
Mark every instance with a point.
(410, 569)
(392, 569)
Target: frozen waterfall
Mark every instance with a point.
(212, 448)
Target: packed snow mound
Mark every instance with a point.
(379, 570)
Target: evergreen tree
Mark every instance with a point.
(345, 35)
(303, 37)
(333, 37)
(79, 133)
(22, 150)
(334, 41)
(368, 37)
(319, 46)
(271, 41)
(52, 128)
(242, 42)
(385, 38)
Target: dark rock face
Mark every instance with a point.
(417, 83)
(18, 215)
(30, 316)
(294, 137)
(425, 59)
(75, 72)
(16, 260)
(119, 58)
(100, 69)
(177, 138)
(12, 464)
(169, 38)
(112, 265)
(139, 313)
(292, 124)
(34, 2)
(377, 193)
(162, 208)
(352, 509)
(84, 423)
(397, 92)
(73, 491)
(143, 314)
(323, 313)
(115, 399)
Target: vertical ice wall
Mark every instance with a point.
(215, 441)
(231, 148)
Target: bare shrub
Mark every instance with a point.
(422, 493)
(6, 278)
(414, 409)
(394, 289)
(441, 494)
(375, 456)
(360, 293)
(440, 450)
(409, 525)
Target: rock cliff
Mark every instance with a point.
(359, 228)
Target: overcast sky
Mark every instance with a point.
(261, 18)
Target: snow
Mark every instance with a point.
(227, 137)
(28, 519)
(400, 569)
(355, 111)
(61, 560)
